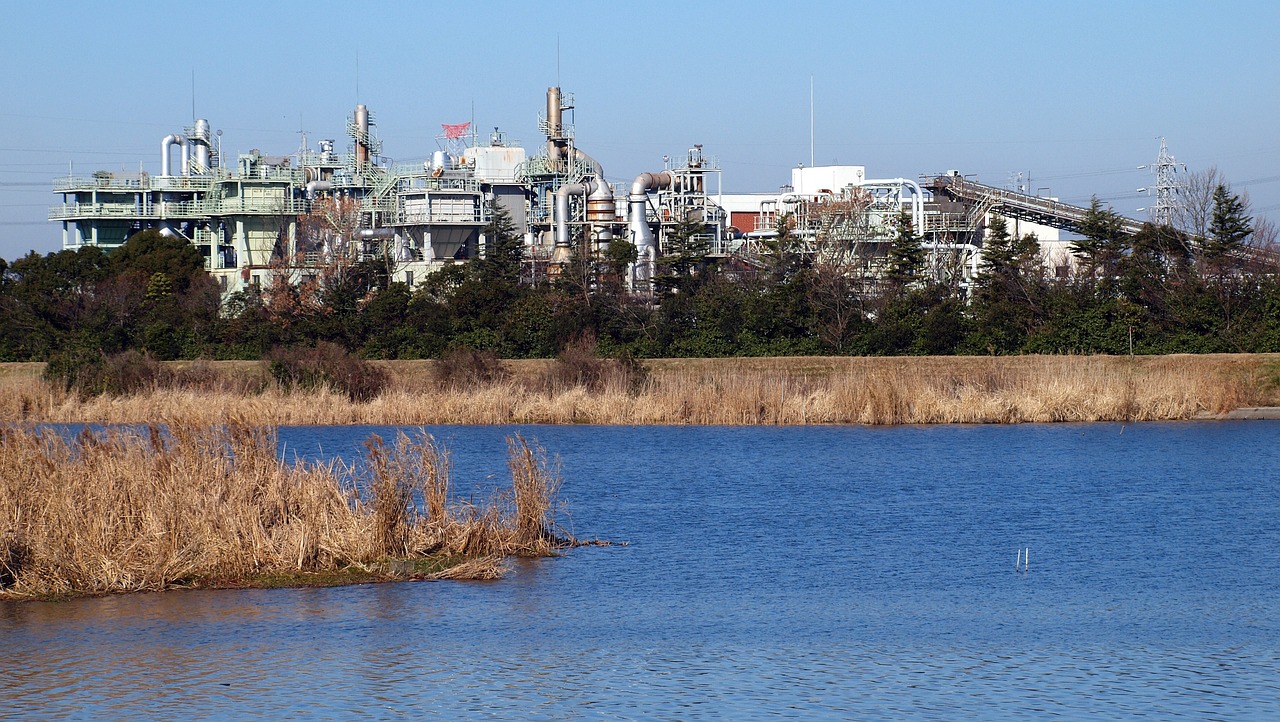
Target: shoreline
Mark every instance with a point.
(418, 569)
(725, 392)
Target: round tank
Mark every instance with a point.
(602, 211)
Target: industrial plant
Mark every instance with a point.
(258, 216)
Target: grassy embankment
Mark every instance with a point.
(916, 390)
(213, 507)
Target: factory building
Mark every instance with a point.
(264, 216)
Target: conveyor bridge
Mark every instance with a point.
(1045, 211)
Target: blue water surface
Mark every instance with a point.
(809, 573)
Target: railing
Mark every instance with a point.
(269, 206)
(722, 246)
(946, 222)
(333, 159)
(360, 137)
(424, 218)
(91, 210)
(442, 183)
(74, 183)
(205, 236)
(182, 209)
(271, 173)
(145, 183)
(181, 183)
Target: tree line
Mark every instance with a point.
(1160, 290)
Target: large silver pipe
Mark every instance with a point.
(165, 164)
(917, 197)
(637, 211)
(562, 207)
(317, 185)
(581, 158)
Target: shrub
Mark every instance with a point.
(201, 375)
(463, 367)
(91, 373)
(129, 372)
(76, 368)
(579, 364)
(326, 365)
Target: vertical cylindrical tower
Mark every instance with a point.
(201, 139)
(555, 126)
(362, 136)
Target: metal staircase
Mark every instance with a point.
(372, 142)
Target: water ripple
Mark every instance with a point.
(773, 573)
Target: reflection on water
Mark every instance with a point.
(803, 573)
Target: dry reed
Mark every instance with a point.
(921, 390)
(125, 510)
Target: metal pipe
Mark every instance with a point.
(581, 158)
(562, 208)
(317, 185)
(380, 233)
(917, 198)
(637, 220)
(165, 160)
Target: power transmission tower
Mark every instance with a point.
(1168, 187)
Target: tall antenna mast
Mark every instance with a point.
(810, 121)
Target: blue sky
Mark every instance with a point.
(1074, 93)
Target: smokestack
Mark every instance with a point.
(555, 126)
(362, 136)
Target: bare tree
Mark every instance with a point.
(842, 263)
(1195, 210)
(326, 237)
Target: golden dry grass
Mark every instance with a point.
(825, 390)
(128, 510)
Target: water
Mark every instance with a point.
(802, 573)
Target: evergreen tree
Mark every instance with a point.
(1228, 229)
(1221, 251)
(1103, 241)
(1009, 290)
(617, 259)
(504, 252)
(149, 252)
(684, 255)
(782, 253)
(906, 255)
(997, 252)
